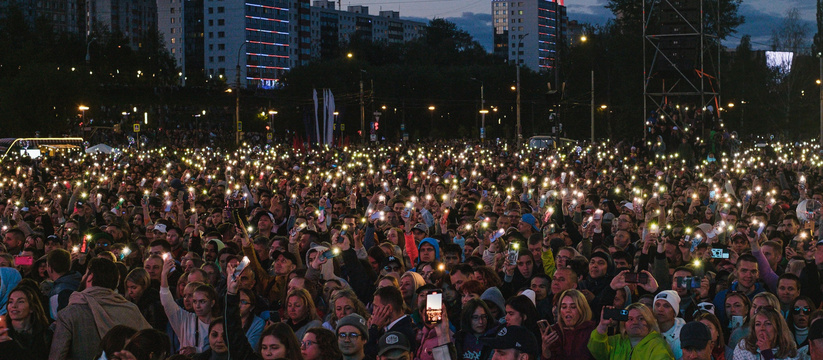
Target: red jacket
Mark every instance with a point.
(573, 344)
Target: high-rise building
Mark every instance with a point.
(63, 15)
(330, 27)
(133, 18)
(529, 32)
(170, 25)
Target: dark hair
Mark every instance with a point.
(466, 269)
(526, 308)
(468, 311)
(148, 344)
(746, 257)
(793, 277)
(105, 273)
(115, 339)
(285, 334)
(162, 243)
(32, 294)
(451, 249)
(392, 296)
(59, 260)
(327, 342)
(622, 255)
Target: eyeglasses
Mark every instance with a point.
(479, 318)
(307, 343)
(805, 310)
(351, 336)
(392, 268)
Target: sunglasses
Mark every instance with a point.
(805, 310)
(392, 268)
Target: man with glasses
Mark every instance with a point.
(394, 346)
(352, 336)
(392, 264)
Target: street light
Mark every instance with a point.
(237, 99)
(583, 38)
(517, 64)
(483, 110)
(604, 107)
(83, 108)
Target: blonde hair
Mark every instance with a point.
(647, 315)
(304, 295)
(786, 347)
(359, 308)
(580, 302)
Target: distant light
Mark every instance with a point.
(349, 55)
(731, 105)
(584, 38)
(431, 107)
(604, 107)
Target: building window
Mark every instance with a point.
(173, 40)
(211, 10)
(211, 59)
(221, 59)
(221, 34)
(211, 47)
(211, 35)
(520, 12)
(221, 10)
(211, 22)
(172, 20)
(171, 31)
(221, 22)
(221, 46)
(171, 10)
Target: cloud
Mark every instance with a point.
(759, 25)
(478, 25)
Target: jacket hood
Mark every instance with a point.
(494, 296)
(432, 242)
(9, 278)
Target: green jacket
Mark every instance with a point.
(618, 347)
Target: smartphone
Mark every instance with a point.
(25, 260)
(720, 253)
(636, 278)
(376, 215)
(497, 234)
(328, 254)
(512, 253)
(240, 267)
(616, 314)
(434, 308)
(544, 324)
(84, 246)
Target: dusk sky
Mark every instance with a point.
(474, 15)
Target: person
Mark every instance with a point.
(639, 337)
(301, 313)
(147, 298)
(27, 334)
(92, 312)
(149, 344)
(513, 343)
(58, 269)
(320, 344)
(769, 338)
(388, 315)
(278, 342)
(815, 349)
(252, 324)
(218, 349)
(475, 322)
(746, 273)
(520, 311)
(393, 345)
(343, 302)
(191, 328)
(719, 347)
(666, 308)
(798, 320)
(570, 336)
(696, 341)
(9, 278)
(352, 336)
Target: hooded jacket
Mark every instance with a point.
(619, 347)
(9, 278)
(494, 296)
(60, 292)
(432, 242)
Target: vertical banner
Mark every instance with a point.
(316, 124)
(330, 126)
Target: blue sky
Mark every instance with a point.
(762, 16)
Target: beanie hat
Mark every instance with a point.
(671, 297)
(354, 320)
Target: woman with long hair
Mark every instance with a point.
(719, 346)
(570, 336)
(799, 320)
(769, 338)
(147, 298)
(252, 324)
(27, 335)
(320, 344)
(639, 337)
(475, 321)
(520, 311)
(218, 344)
(342, 303)
(738, 307)
(301, 313)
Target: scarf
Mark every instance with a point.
(107, 307)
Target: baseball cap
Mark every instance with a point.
(392, 340)
(421, 227)
(160, 228)
(513, 337)
(529, 219)
(695, 335)
(286, 254)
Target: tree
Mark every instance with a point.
(790, 36)
(630, 14)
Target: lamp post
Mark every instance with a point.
(88, 56)
(820, 59)
(483, 110)
(271, 124)
(431, 116)
(237, 99)
(83, 109)
(517, 64)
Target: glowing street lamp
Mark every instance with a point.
(83, 108)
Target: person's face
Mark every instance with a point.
(713, 330)
(282, 265)
(479, 320)
(217, 218)
(598, 267)
(342, 307)
(133, 291)
(702, 354)
(764, 329)
(451, 259)
(800, 313)
(468, 296)
(201, 304)
(245, 305)
(296, 309)
(562, 281)
(392, 237)
(11, 241)
(352, 343)
(540, 286)
(681, 291)
(458, 278)
(265, 223)
(210, 252)
(514, 317)
(524, 227)
(173, 237)
(224, 259)
(271, 348)
(153, 267)
(790, 227)
(426, 253)
(771, 255)
(217, 340)
(525, 265)
(18, 306)
(407, 287)
(508, 354)
(747, 273)
(637, 326)
(310, 348)
(563, 257)
(156, 250)
(787, 291)
(622, 239)
(735, 306)
(329, 288)
(663, 311)
(569, 313)
(188, 295)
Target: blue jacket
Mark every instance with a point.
(720, 299)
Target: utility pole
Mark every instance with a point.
(592, 107)
(483, 110)
(362, 111)
(237, 99)
(820, 85)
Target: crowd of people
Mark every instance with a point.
(430, 251)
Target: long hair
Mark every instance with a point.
(526, 308)
(38, 314)
(580, 302)
(468, 311)
(281, 331)
(327, 342)
(359, 308)
(786, 347)
(705, 315)
(304, 295)
(790, 319)
(647, 315)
